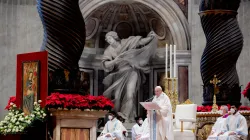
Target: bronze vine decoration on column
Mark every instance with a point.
(223, 47)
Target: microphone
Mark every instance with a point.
(149, 99)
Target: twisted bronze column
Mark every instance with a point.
(64, 32)
(223, 47)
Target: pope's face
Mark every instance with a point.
(157, 92)
(110, 39)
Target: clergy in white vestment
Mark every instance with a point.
(218, 126)
(164, 117)
(137, 128)
(113, 129)
(235, 126)
(145, 130)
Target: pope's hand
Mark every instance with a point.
(137, 137)
(221, 133)
(231, 133)
(107, 135)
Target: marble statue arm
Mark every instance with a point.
(146, 40)
(108, 63)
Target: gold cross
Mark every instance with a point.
(215, 81)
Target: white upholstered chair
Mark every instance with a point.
(184, 122)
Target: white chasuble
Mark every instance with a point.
(114, 128)
(234, 123)
(145, 130)
(136, 131)
(217, 128)
(164, 118)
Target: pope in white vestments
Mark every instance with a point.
(235, 126)
(113, 129)
(218, 126)
(137, 128)
(164, 117)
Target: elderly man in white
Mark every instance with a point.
(218, 126)
(113, 129)
(164, 118)
(235, 126)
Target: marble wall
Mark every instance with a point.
(20, 32)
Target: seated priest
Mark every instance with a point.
(218, 126)
(145, 135)
(137, 128)
(235, 126)
(113, 129)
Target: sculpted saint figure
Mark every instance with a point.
(127, 60)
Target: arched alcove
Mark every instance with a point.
(168, 11)
(127, 19)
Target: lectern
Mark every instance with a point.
(152, 107)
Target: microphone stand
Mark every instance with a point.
(149, 99)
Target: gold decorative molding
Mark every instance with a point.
(208, 12)
(188, 101)
(203, 133)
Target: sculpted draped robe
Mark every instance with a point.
(237, 124)
(125, 78)
(164, 118)
(115, 128)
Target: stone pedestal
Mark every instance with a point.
(83, 121)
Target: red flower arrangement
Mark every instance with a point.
(76, 101)
(11, 100)
(246, 91)
(209, 108)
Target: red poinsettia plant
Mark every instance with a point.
(209, 108)
(246, 91)
(11, 101)
(76, 101)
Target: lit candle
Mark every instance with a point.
(175, 61)
(166, 62)
(170, 63)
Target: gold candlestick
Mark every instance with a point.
(215, 81)
(171, 91)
